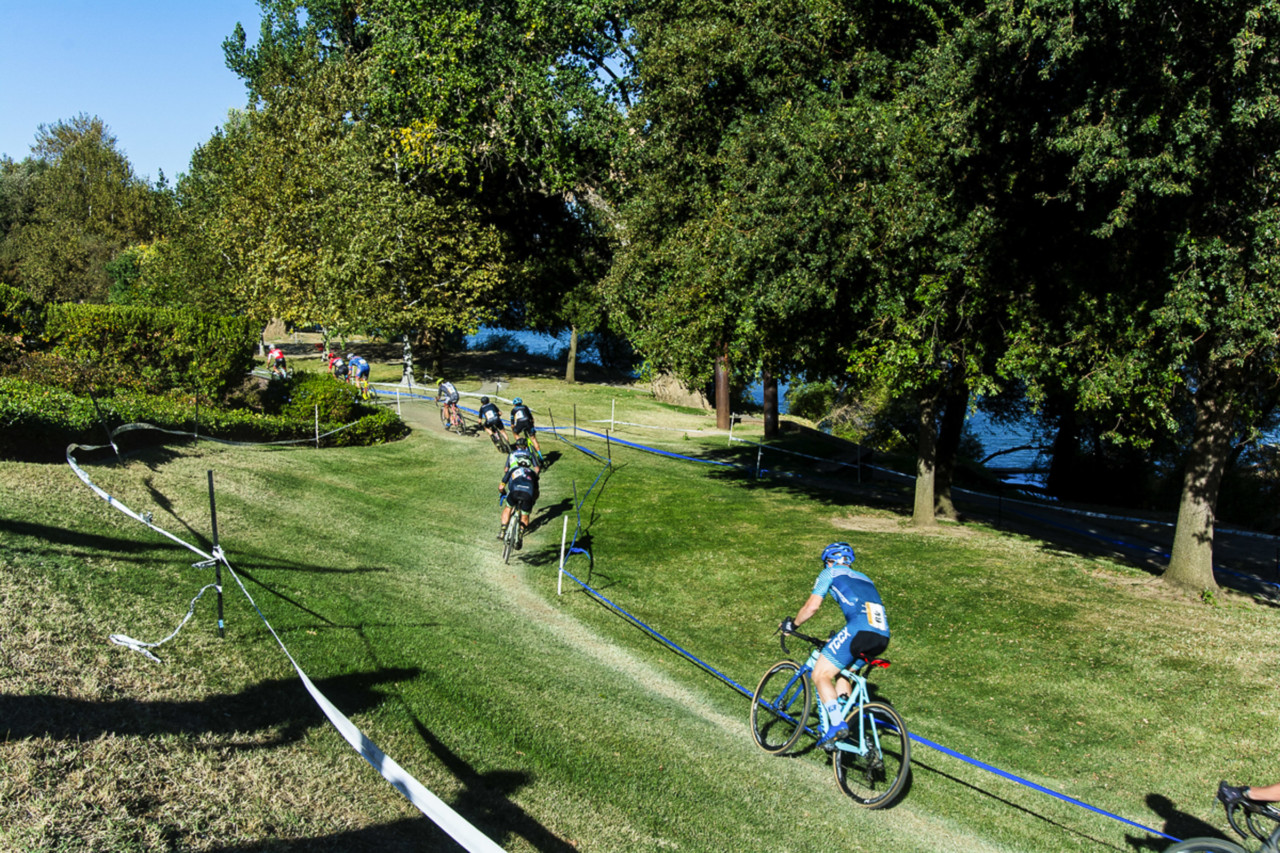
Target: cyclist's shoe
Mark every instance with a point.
(1231, 795)
(834, 733)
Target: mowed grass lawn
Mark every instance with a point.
(549, 721)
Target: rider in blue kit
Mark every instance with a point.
(866, 629)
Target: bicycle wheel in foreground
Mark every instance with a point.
(874, 779)
(1205, 845)
(780, 707)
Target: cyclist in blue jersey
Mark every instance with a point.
(866, 630)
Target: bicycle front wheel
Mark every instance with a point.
(1205, 845)
(780, 707)
(510, 535)
(875, 775)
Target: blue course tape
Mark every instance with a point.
(594, 593)
(1028, 783)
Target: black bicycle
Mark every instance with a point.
(1248, 818)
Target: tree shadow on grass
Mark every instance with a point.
(409, 835)
(485, 800)
(280, 706)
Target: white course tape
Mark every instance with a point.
(423, 800)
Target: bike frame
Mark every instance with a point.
(858, 696)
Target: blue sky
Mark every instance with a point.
(153, 71)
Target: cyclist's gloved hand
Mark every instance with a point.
(788, 626)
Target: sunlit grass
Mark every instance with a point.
(549, 721)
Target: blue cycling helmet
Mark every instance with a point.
(838, 552)
(517, 402)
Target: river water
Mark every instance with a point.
(994, 437)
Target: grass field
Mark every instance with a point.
(549, 721)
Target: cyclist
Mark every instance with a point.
(522, 424)
(275, 358)
(520, 455)
(447, 394)
(520, 485)
(340, 369)
(866, 630)
(491, 420)
(359, 373)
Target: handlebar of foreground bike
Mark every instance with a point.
(782, 639)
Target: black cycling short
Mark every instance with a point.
(522, 500)
(523, 427)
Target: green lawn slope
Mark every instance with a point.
(547, 720)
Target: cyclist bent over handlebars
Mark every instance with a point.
(866, 630)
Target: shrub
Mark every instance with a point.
(37, 422)
(165, 349)
(20, 322)
(812, 400)
(339, 402)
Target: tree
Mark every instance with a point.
(309, 219)
(520, 104)
(1152, 154)
(85, 205)
(757, 210)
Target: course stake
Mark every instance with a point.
(217, 554)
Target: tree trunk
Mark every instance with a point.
(926, 463)
(1191, 563)
(722, 391)
(406, 378)
(570, 368)
(949, 433)
(770, 383)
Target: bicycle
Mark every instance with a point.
(1262, 820)
(872, 765)
(456, 422)
(511, 534)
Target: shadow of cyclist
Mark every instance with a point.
(1177, 824)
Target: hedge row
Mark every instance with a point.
(37, 422)
(166, 349)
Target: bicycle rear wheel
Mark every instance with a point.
(780, 707)
(875, 778)
(1205, 845)
(501, 441)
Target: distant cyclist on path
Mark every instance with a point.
(520, 454)
(491, 420)
(866, 630)
(447, 394)
(522, 424)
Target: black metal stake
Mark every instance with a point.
(217, 557)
